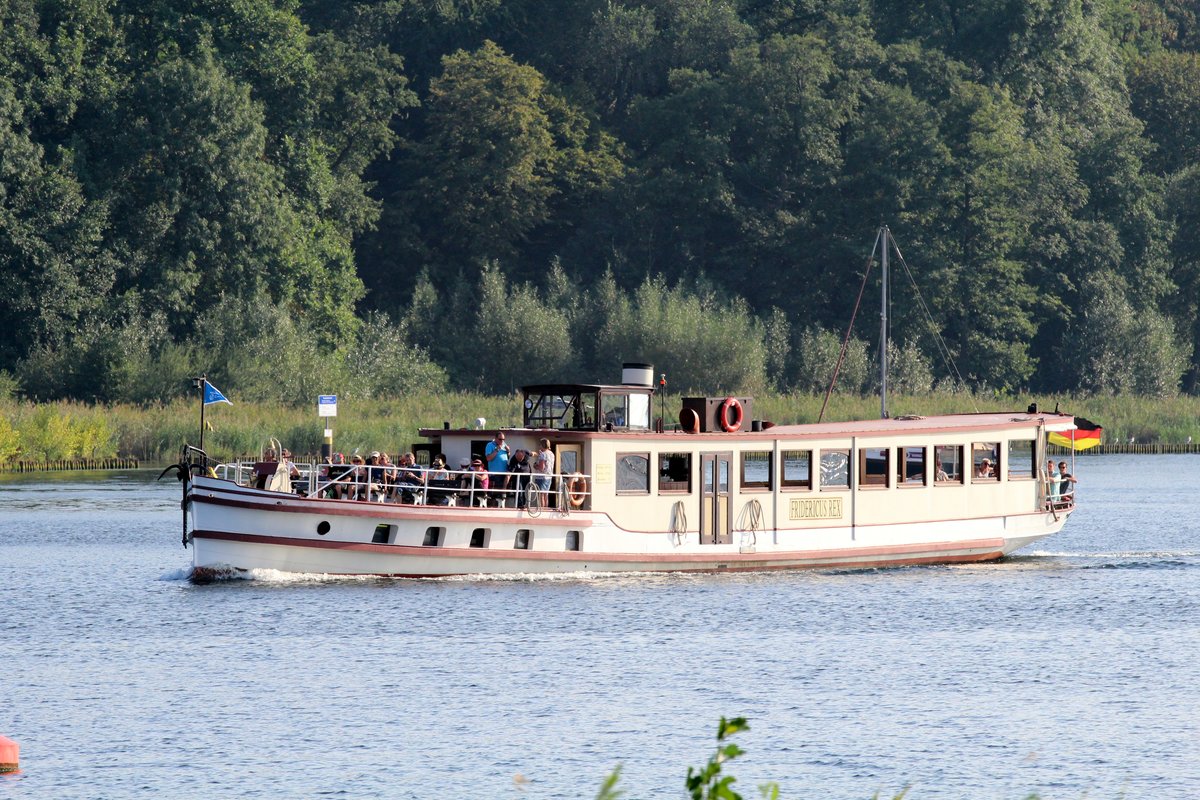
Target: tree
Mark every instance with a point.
(1165, 92)
(524, 339)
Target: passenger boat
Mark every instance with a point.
(724, 491)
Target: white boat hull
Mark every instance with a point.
(241, 528)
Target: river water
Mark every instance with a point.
(1070, 670)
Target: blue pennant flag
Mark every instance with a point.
(213, 395)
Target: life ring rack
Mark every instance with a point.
(577, 490)
(731, 404)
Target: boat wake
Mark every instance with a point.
(1130, 559)
(538, 577)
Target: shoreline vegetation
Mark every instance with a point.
(69, 430)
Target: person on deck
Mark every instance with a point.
(1066, 483)
(521, 472)
(1052, 478)
(543, 468)
(479, 478)
(496, 454)
(411, 480)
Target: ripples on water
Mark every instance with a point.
(1069, 670)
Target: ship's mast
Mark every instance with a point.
(886, 236)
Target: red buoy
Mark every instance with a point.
(9, 755)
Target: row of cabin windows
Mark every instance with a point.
(877, 467)
(481, 537)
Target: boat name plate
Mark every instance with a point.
(820, 508)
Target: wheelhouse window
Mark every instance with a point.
(873, 466)
(835, 469)
(633, 473)
(1021, 464)
(910, 466)
(985, 462)
(561, 410)
(795, 469)
(674, 472)
(948, 464)
(756, 469)
(624, 411)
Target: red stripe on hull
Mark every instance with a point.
(993, 549)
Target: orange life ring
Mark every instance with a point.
(728, 425)
(576, 490)
(689, 420)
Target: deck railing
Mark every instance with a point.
(417, 485)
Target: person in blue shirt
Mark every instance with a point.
(496, 454)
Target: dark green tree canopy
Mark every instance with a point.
(350, 184)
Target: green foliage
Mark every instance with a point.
(700, 342)
(10, 439)
(1119, 350)
(382, 363)
(57, 431)
(686, 182)
(816, 359)
(707, 782)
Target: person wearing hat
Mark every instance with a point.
(479, 481)
(441, 487)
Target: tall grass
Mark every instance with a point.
(154, 433)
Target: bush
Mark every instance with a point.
(10, 439)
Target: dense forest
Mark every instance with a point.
(377, 198)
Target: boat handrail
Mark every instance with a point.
(381, 483)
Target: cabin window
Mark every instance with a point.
(674, 472)
(382, 535)
(756, 469)
(1021, 464)
(572, 543)
(835, 469)
(433, 537)
(985, 462)
(523, 540)
(633, 473)
(479, 537)
(948, 464)
(873, 466)
(795, 469)
(910, 466)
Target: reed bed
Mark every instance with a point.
(154, 434)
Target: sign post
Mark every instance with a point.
(327, 407)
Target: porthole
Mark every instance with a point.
(322, 527)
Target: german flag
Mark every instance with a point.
(1086, 434)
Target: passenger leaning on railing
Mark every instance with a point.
(520, 473)
(1066, 483)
